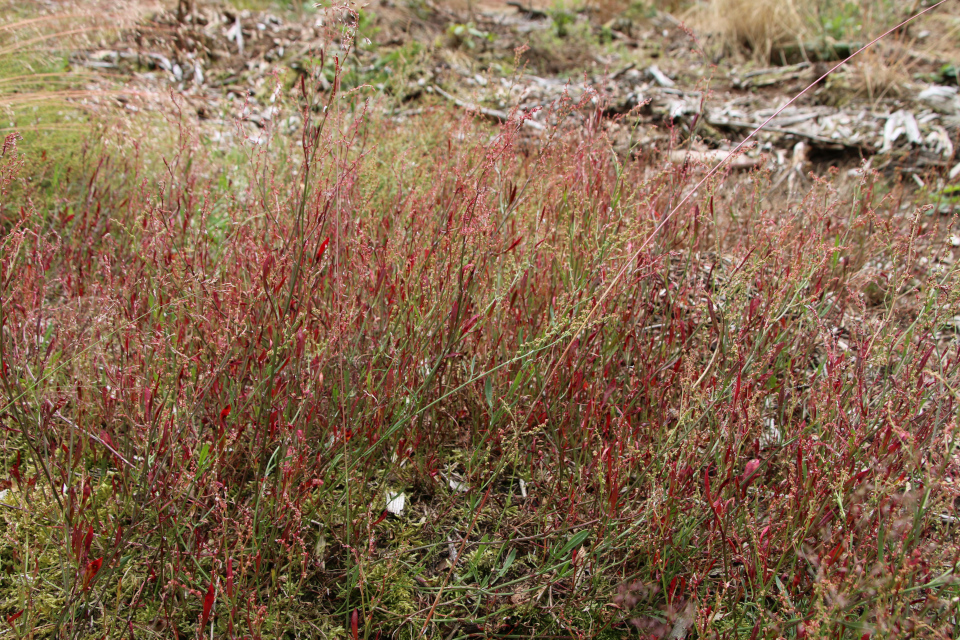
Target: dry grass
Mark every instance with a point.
(62, 27)
(876, 75)
(756, 26)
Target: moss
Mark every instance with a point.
(382, 585)
(34, 567)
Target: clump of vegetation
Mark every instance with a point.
(876, 76)
(616, 396)
(467, 35)
(787, 31)
(569, 44)
(754, 26)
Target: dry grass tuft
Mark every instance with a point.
(877, 76)
(756, 26)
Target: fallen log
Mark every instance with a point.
(838, 143)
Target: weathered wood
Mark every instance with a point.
(820, 140)
(493, 114)
(814, 52)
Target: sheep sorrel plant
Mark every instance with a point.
(392, 379)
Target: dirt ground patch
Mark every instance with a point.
(653, 78)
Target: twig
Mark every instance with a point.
(776, 70)
(620, 73)
(74, 425)
(493, 114)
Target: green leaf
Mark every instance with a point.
(573, 543)
(204, 452)
(507, 563)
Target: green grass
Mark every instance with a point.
(42, 95)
